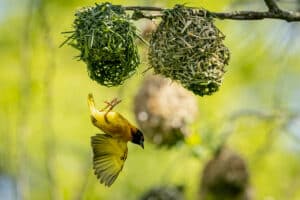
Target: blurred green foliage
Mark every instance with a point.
(44, 91)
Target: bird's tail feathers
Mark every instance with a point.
(91, 104)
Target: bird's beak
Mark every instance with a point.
(142, 144)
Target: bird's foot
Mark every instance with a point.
(109, 106)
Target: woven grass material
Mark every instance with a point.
(163, 110)
(188, 47)
(105, 38)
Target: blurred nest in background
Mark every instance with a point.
(225, 177)
(147, 27)
(163, 110)
(188, 47)
(164, 193)
(105, 38)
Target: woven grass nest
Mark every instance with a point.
(105, 37)
(225, 177)
(163, 110)
(187, 47)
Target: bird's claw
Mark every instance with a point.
(109, 106)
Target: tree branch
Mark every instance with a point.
(274, 13)
(145, 8)
(288, 16)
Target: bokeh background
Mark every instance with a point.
(45, 128)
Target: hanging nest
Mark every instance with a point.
(164, 193)
(163, 110)
(105, 38)
(188, 47)
(225, 177)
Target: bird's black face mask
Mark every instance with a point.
(138, 138)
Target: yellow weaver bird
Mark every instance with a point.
(110, 149)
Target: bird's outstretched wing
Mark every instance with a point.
(109, 157)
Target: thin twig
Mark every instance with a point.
(49, 137)
(24, 106)
(251, 113)
(85, 182)
(231, 122)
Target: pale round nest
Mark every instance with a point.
(163, 109)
